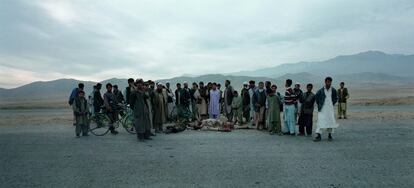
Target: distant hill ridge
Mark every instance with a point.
(362, 69)
(370, 61)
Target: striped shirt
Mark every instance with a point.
(290, 96)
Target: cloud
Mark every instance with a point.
(160, 39)
(62, 11)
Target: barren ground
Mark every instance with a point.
(374, 148)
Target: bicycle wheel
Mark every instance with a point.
(99, 124)
(128, 124)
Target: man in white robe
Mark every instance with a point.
(326, 98)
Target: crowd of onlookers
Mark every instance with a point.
(260, 106)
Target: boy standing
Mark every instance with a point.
(81, 111)
(274, 103)
(237, 108)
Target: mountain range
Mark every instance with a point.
(358, 70)
(370, 61)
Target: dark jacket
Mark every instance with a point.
(97, 99)
(259, 98)
(308, 103)
(245, 97)
(342, 96)
(169, 97)
(229, 94)
(127, 94)
(73, 95)
(119, 97)
(139, 105)
(183, 97)
(110, 101)
(299, 94)
(320, 97)
(204, 94)
(79, 108)
(81, 111)
(193, 99)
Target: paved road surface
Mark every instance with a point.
(363, 154)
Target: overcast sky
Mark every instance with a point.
(98, 39)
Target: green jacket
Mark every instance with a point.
(308, 103)
(274, 102)
(237, 102)
(81, 110)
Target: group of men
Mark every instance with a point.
(259, 107)
(83, 108)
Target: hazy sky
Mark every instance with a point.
(98, 39)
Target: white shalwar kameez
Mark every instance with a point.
(326, 117)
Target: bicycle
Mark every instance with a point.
(174, 116)
(100, 122)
